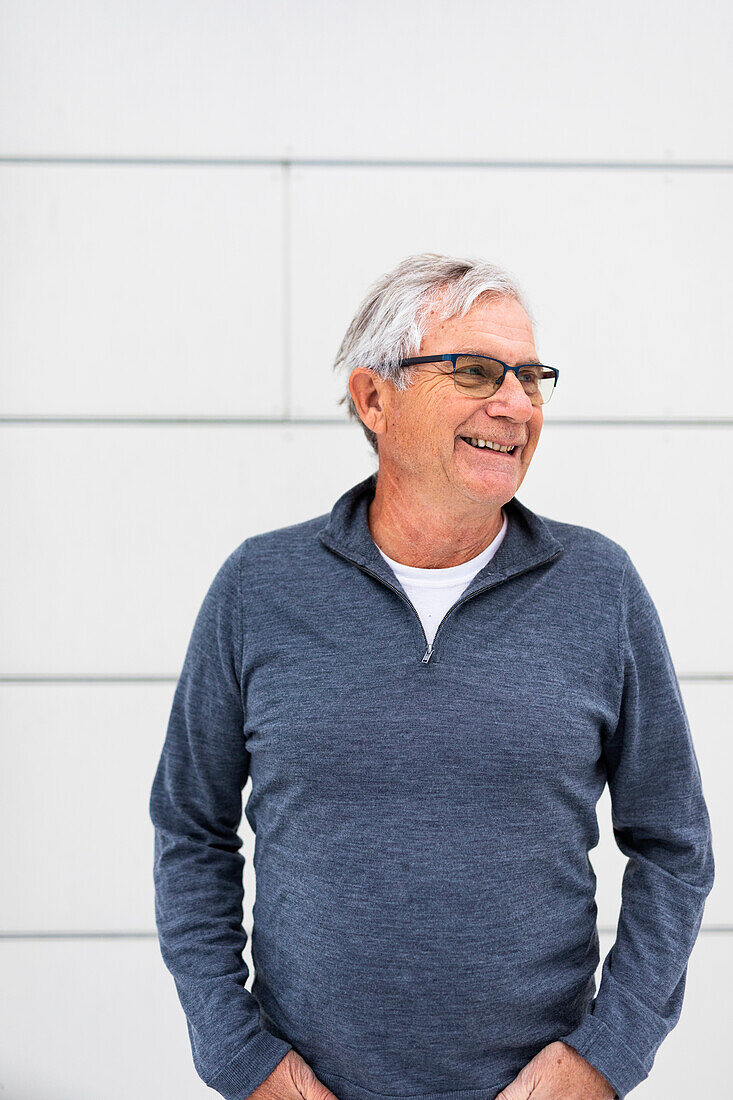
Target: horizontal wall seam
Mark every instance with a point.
(371, 162)
(604, 929)
(340, 422)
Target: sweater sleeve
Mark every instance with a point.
(196, 808)
(660, 821)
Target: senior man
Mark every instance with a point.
(429, 687)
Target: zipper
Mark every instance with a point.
(463, 599)
(429, 651)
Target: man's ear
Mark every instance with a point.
(369, 394)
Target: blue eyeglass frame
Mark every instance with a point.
(453, 356)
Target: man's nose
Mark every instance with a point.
(510, 399)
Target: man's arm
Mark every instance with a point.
(660, 821)
(196, 808)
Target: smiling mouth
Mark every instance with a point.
(489, 450)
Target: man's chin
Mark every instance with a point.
(489, 471)
(492, 492)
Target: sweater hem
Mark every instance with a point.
(346, 1089)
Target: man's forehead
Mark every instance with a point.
(504, 328)
(483, 332)
(505, 317)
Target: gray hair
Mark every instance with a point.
(390, 323)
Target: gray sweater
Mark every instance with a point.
(424, 921)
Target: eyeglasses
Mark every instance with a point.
(482, 375)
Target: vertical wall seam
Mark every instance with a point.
(286, 259)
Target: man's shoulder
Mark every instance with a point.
(280, 543)
(587, 542)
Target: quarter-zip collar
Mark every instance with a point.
(527, 543)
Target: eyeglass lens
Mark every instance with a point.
(482, 378)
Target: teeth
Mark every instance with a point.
(486, 443)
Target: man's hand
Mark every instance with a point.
(292, 1079)
(558, 1072)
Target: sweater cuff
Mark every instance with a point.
(596, 1043)
(250, 1066)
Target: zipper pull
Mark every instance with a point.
(427, 654)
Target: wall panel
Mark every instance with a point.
(81, 1020)
(121, 528)
(141, 290)
(628, 273)
(368, 79)
(78, 764)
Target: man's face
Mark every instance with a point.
(425, 422)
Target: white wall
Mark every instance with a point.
(194, 197)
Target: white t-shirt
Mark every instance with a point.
(434, 591)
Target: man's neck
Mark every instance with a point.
(422, 537)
